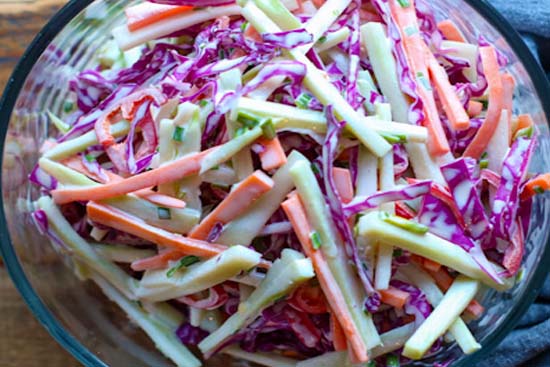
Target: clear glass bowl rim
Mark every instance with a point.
(74, 7)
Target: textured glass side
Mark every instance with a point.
(79, 307)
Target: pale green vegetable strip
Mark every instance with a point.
(293, 117)
(212, 320)
(229, 149)
(319, 86)
(332, 39)
(58, 123)
(249, 225)
(427, 285)
(165, 313)
(122, 253)
(182, 220)
(366, 86)
(367, 173)
(264, 359)
(287, 273)
(158, 285)
(426, 245)
(277, 12)
(384, 259)
(71, 147)
(319, 217)
(83, 251)
(466, 51)
(455, 301)
(164, 337)
(241, 161)
(323, 19)
(391, 341)
(222, 176)
(196, 315)
(109, 54)
(383, 63)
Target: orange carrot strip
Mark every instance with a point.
(142, 15)
(338, 336)
(535, 185)
(474, 309)
(496, 103)
(415, 50)
(431, 265)
(524, 121)
(159, 261)
(238, 200)
(394, 297)
(450, 31)
(449, 99)
(272, 156)
(252, 33)
(117, 219)
(173, 171)
(296, 213)
(166, 201)
(474, 108)
(344, 184)
(442, 278)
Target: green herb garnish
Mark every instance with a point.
(302, 101)
(315, 240)
(179, 133)
(268, 129)
(183, 263)
(403, 223)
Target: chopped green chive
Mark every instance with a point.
(484, 155)
(164, 213)
(315, 169)
(315, 240)
(371, 364)
(221, 54)
(484, 163)
(68, 106)
(248, 120)
(404, 3)
(302, 101)
(392, 361)
(90, 158)
(323, 39)
(485, 104)
(203, 103)
(397, 252)
(406, 224)
(538, 190)
(183, 263)
(244, 26)
(179, 132)
(268, 129)
(239, 132)
(394, 138)
(527, 132)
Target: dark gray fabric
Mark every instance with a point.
(529, 344)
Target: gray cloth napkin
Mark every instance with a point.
(529, 344)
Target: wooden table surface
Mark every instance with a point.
(23, 341)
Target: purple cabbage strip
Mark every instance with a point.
(354, 51)
(191, 335)
(462, 185)
(417, 304)
(506, 201)
(400, 160)
(435, 214)
(334, 130)
(291, 69)
(40, 220)
(288, 39)
(90, 88)
(41, 178)
(409, 192)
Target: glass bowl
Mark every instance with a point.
(84, 321)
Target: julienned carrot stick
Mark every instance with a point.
(475, 309)
(536, 185)
(431, 265)
(474, 108)
(524, 121)
(415, 50)
(173, 171)
(344, 184)
(142, 15)
(338, 336)
(108, 176)
(238, 200)
(449, 99)
(296, 213)
(394, 297)
(496, 103)
(272, 156)
(159, 261)
(114, 218)
(450, 31)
